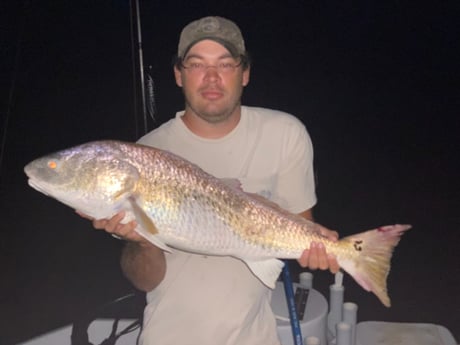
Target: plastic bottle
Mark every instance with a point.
(350, 312)
(343, 334)
(336, 292)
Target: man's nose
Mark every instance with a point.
(211, 72)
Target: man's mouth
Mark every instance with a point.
(212, 94)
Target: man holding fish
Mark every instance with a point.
(199, 299)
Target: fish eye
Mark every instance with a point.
(52, 164)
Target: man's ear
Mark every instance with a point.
(178, 76)
(246, 76)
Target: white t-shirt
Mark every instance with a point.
(217, 300)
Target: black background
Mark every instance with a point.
(375, 82)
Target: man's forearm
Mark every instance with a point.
(143, 264)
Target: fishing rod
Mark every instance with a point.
(290, 300)
(136, 42)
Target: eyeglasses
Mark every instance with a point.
(201, 68)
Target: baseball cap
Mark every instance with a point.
(218, 29)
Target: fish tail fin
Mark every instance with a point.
(371, 267)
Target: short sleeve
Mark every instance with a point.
(296, 180)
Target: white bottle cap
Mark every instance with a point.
(350, 311)
(306, 280)
(343, 334)
(312, 341)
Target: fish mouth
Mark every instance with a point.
(32, 181)
(37, 186)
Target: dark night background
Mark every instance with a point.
(375, 82)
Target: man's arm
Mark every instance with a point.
(316, 257)
(143, 264)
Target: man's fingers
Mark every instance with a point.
(114, 222)
(114, 227)
(100, 223)
(316, 257)
(334, 266)
(313, 262)
(322, 259)
(303, 260)
(329, 234)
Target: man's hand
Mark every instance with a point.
(142, 263)
(114, 227)
(316, 257)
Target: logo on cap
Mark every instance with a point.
(218, 29)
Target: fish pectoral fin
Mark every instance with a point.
(267, 271)
(141, 217)
(146, 227)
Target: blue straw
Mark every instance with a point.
(289, 291)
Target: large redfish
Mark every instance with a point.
(177, 204)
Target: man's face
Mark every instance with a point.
(212, 81)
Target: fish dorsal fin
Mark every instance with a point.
(146, 227)
(267, 271)
(273, 204)
(232, 182)
(236, 184)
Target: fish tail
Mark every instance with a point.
(371, 266)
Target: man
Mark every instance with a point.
(195, 299)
